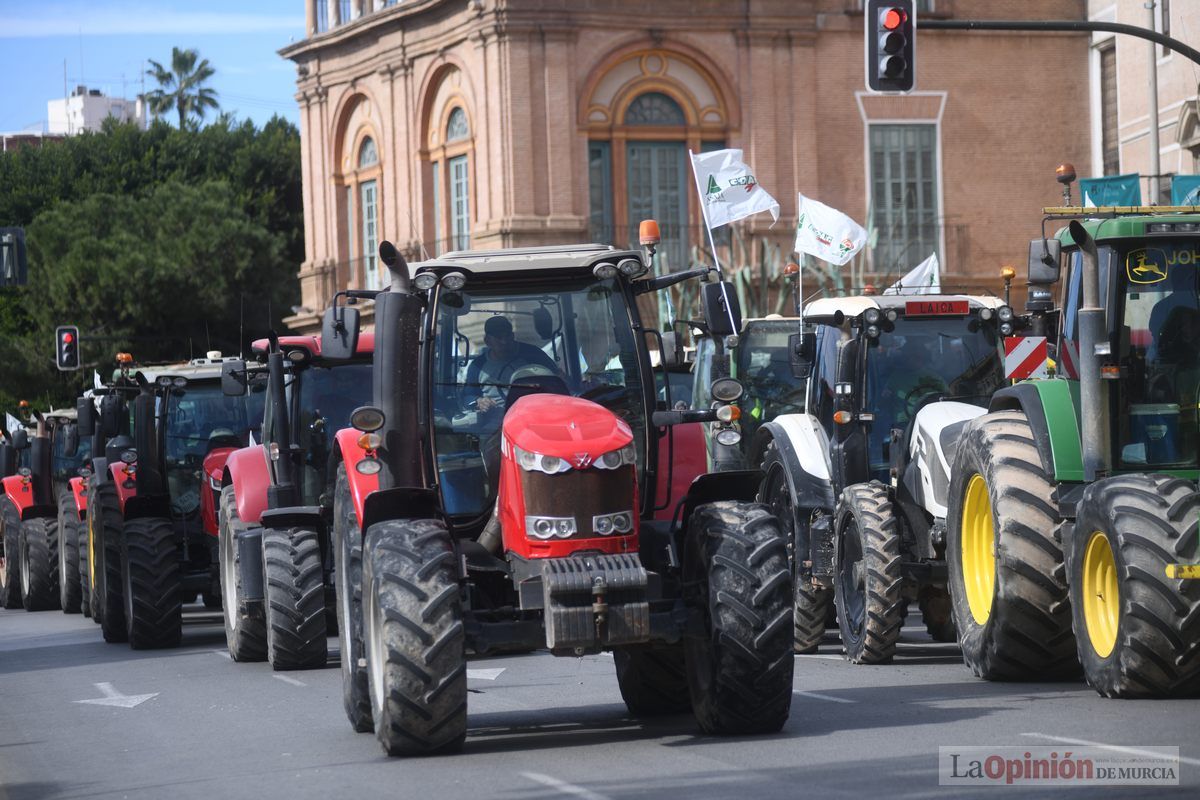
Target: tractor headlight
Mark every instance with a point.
(1006, 329)
(605, 524)
(1004, 314)
(615, 459)
(549, 527)
(424, 281)
(536, 462)
(871, 316)
(985, 314)
(729, 436)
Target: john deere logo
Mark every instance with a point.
(1146, 265)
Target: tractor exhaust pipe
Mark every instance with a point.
(398, 315)
(1093, 393)
(396, 264)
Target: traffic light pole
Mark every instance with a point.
(1059, 26)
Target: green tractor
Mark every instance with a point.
(1072, 524)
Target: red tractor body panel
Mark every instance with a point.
(360, 485)
(684, 461)
(213, 468)
(79, 492)
(250, 477)
(119, 478)
(578, 432)
(19, 491)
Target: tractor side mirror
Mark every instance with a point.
(85, 416)
(672, 350)
(20, 438)
(70, 434)
(1043, 261)
(339, 333)
(802, 351)
(233, 378)
(722, 313)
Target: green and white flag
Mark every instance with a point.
(924, 278)
(11, 422)
(827, 233)
(729, 189)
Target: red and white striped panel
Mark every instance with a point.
(1068, 359)
(1025, 357)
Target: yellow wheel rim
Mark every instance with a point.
(1101, 595)
(91, 552)
(978, 549)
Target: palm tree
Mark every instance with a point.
(182, 87)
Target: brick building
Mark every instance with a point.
(441, 124)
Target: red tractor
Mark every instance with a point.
(501, 492)
(29, 520)
(276, 501)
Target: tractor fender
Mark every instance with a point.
(79, 492)
(400, 503)
(212, 469)
(1050, 406)
(346, 441)
(116, 472)
(19, 492)
(151, 506)
(937, 429)
(804, 447)
(247, 471)
(716, 486)
(681, 462)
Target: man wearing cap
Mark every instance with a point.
(491, 371)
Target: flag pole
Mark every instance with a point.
(711, 243)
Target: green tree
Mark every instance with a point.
(182, 86)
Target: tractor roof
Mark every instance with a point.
(526, 259)
(312, 344)
(827, 307)
(1128, 222)
(62, 414)
(198, 369)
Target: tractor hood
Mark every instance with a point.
(570, 428)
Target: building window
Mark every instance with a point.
(1162, 24)
(460, 218)
(362, 200)
(654, 108)
(437, 206)
(457, 128)
(1110, 145)
(345, 12)
(600, 205)
(370, 236)
(904, 195)
(452, 227)
(322, 16)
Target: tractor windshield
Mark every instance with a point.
(200, 418)
(328, 394)
(946, 357)
(764, 367)
(494, 344)
(1159, 351)
(66, 466)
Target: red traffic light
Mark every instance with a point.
(68, 338)
(891, 18)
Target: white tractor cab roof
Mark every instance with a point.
(827, 309)
(208, 368)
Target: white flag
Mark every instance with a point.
(924, 278)
(728, 188)
(11, 422)
(827, 233)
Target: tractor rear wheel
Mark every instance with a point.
(1138, 631)
(68, 554)
(85, 585)
(936, 612)
(653, 680)
(10, 569)
(414, 636)
(869, 581)
(39, 564)
(813, 605)
(105, 523)
(245, 628)
(151, 583)
(1007, 579)
(348, 580)
(294, 599)
(740, 671)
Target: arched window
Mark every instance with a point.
(654, 108)
(457, 127)
(452, 193)
(368, 203)
(368, 155)
(361, 179)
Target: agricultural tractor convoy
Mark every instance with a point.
(514, 460)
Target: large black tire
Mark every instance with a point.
(245, 625)
(85, 585)
(68, 554)
(1020, 625)
(348, 579)
(869, 599)
(812, 604)
(295, 599)
(740, 671)
(39, 564)
(10, 570)
(104, 526)
(937, 613)
(414, 636)
(150, 556)
(653, 680)
(1138, 631)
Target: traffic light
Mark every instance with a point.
(891, 45)
(67, 350)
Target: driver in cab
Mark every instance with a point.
(492, 370)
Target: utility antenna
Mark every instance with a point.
(207, 335)
(242, 326)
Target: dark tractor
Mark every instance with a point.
(276, 501)
(500, 493)
(70, 464)
(30, 521)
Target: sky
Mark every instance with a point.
(105, 44)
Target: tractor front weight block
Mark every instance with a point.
(594, 601)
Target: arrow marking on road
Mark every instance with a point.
(485, 674)
(564, 787)
(114, 698)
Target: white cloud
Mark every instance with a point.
(56, 19)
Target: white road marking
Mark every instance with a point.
(223, 654)
(564, 787)
(1116, 748)
(485, 674)
(114, 698)
(819, 696)
(823, 658)
(286, 679)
